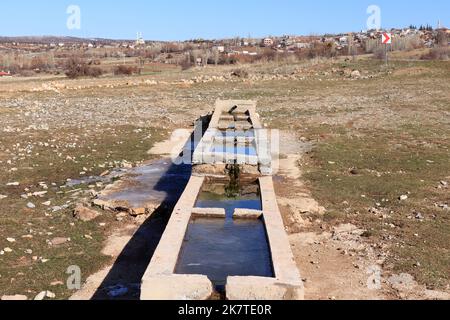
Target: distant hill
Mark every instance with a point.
(55, 39)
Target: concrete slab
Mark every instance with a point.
(247, 214)
(258, 288)
(176, 287)
(209, 212)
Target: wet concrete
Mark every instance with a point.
(154, 182)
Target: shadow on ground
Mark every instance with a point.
(123, 281)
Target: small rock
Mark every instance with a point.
(444, 183)
(39, 194)
(59, 241)
(10, 240)
(45, 294)
(30, 205)
(47, 203)
(403, 197)
(120, 216)
(3, 197)
(13, 184)
(8, 250)
(419, 216)
(138, 212)
(17, 297)
(40, 296)
(85, 214)
(355, 74)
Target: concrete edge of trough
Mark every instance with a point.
(259, 288)
(284, 265)
(247, 214)
(209, 212)
(176, 287)
(159, 280)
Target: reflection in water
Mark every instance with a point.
(219, 248)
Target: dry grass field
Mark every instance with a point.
(380, 162)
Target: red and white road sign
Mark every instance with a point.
(386, 38)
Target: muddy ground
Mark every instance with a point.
(363, 181)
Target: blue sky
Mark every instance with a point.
(181, 20)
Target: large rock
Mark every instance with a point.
(84, 213)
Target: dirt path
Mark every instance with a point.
(335, 264)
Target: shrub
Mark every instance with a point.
(240, 73)
(438, 53)
(94, 72)
(126, 70)
(380, 54)
(186, 65)
(76, 67)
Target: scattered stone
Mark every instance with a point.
(17, 297)
(419, 216)
(444, 183)
(31, 205)
(85, 214)
(138, 212)
(104, 174)
(402, 282)
(8, 250)
(39, 194)
(403, 197)
(120, 216)
(44, 294)
(10, 240)
(47, 203)
(57, 283)
(3, 197)
(356, 74)
(13, 184)
(59, 241)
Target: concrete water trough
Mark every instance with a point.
(180, 271)
(235, 135)
(226, 234)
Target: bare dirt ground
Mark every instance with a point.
(363, 181)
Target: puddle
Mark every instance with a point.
(118, 173)
(155, 182)
(219, 248)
